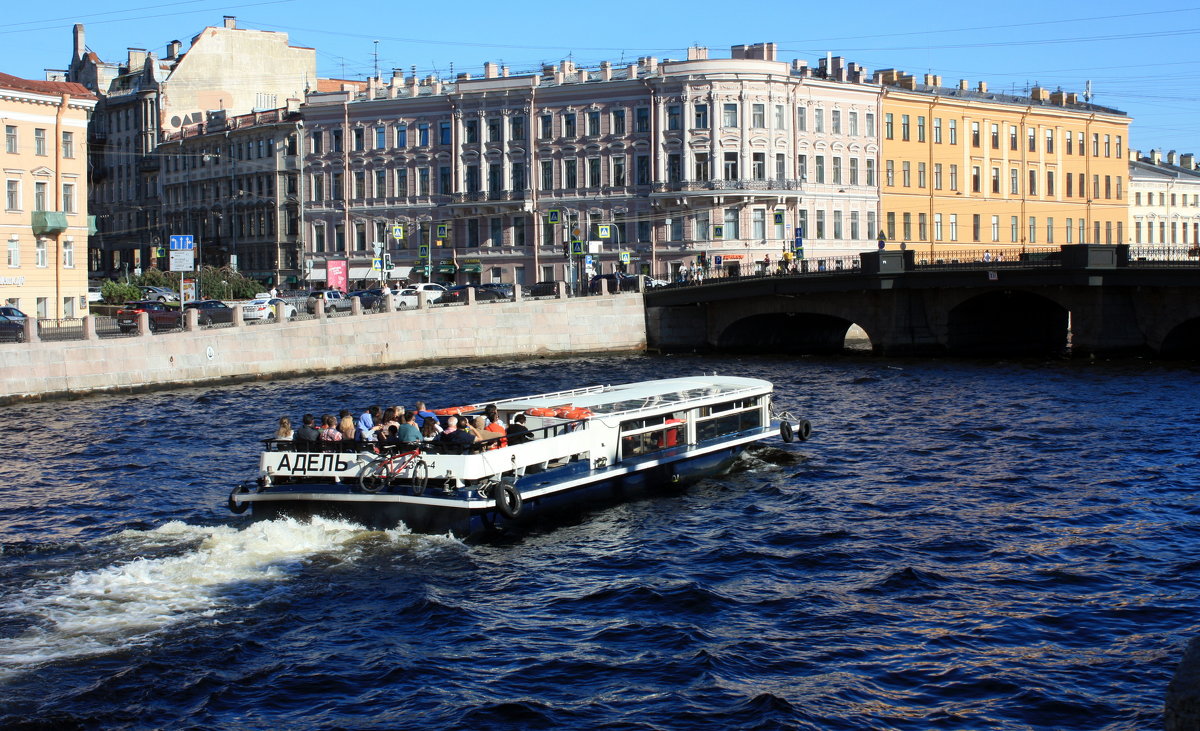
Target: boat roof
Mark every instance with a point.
(611, 400)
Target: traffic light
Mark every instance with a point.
(387, 262)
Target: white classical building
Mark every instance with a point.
(668, 165)
(1165, 200)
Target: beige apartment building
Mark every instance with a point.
(45, 222)
(1165, 210)
(654, 167)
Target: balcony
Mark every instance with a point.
(726, 185)
(49, 222)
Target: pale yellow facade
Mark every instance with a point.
(963, 168)
(43, 222)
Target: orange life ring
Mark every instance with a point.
(576, 413)
(455, 410)
(540, 411)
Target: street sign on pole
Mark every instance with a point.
(377, 264)
(577, 247)
(552, 216)
(441, 231)
(624, 257)
(397, 232)
(183, 242)
(183, 261)
(604, 231)
(423, 252)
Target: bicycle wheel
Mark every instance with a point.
(420, 477)
(372, 478)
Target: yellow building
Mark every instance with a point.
(44, 222)
(969, 168)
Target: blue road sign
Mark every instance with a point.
(183, 242)
(717, 260)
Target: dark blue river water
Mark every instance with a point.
(1006, 545)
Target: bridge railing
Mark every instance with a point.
(1030, 256)
(1162, 255)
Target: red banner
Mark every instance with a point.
(337, 274)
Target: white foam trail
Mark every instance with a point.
(99, 611)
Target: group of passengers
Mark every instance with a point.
(399, 425)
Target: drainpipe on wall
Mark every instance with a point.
(64, 100)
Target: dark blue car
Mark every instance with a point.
(12, 330)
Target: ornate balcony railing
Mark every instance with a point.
(706, 185)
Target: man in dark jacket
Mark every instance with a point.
(308, 432)
(517, 432)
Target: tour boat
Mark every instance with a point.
(584, 446)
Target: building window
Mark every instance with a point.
(954, 227)
(995, 180)
(853, 172)
(730, 115)
(10, 138)
(41, 261)
(780, 117)
(39, 142)
(937, 227)
(731, 166)
(618, 122)
(759, 164)
(904, 127)
(920, 129)
(820, 224)
(68, 198)
(819, 119)
(835, 123)
(1050, 182)
(888, 130)
(568, 124)
(890, 173)
(854, 221)
(853, 116)
(641, 119)
(12, 200)
(820, 167)
(14, 252)
(401, 136)
(907, 226)
(953, 131)
(937, 131)
(593, 171)
(39, 195)
(995, 228)
(619, 171)
(758, 223)
(423, 134)
(870, 172)
(1014, 181)
(906, 173)
(974, 134)
(673, 115)
(995, 137)
(937, 176)
(732, 230)
(68, 144)
(593, 123)
(546, 123)
(516, 128)
(495, 128)
(976, 183)
(700, 117)
(758, 115)
(642, 170)
(445, 186)
(570, 174)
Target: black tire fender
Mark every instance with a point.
(804, 430)
(508, 499)
(786, 433)
(235, 507)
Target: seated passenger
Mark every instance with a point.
(424, 414)
(430, 431)
(453, 436)
(346, 425)
(329, 430)
(284, 433)
(408, 432)
(496, 427)
(307, 432)
(493, 415)
(517, 432)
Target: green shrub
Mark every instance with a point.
(115, 293)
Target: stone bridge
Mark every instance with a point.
(1082, 299)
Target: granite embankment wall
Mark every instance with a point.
(543, 327)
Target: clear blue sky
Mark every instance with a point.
(1140, 58)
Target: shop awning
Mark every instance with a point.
(472, 268)
(446, 269)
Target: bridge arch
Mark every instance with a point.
(786, 332)
(1183, 340)
(1008, 322)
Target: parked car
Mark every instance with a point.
(335, 299)
(13, 313)
(542, 289)
(407, 298)
(211, 311)
(162, 294)
(12, 330)
(504, 288)
(458, 293)
(265, 308)
(617, 282)
(95, 294)
(161, 315)
(368, 298)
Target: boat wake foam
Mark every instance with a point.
(99, 611)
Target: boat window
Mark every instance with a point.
(673, 434)
(733, 423)
(746, 403)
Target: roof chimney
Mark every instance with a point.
(80, 45)
(491, 70)
(137, 58)
(1039, 94)
(173, 49)
(1187, 161)
(697, 53)
(963, 85)
(929, 80)
(1171, 157)
(605, 70)
(230, 21)
(1156, 157)
(982, 87)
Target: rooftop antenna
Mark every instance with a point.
(376, 59)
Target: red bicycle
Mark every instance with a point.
(380, 473)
